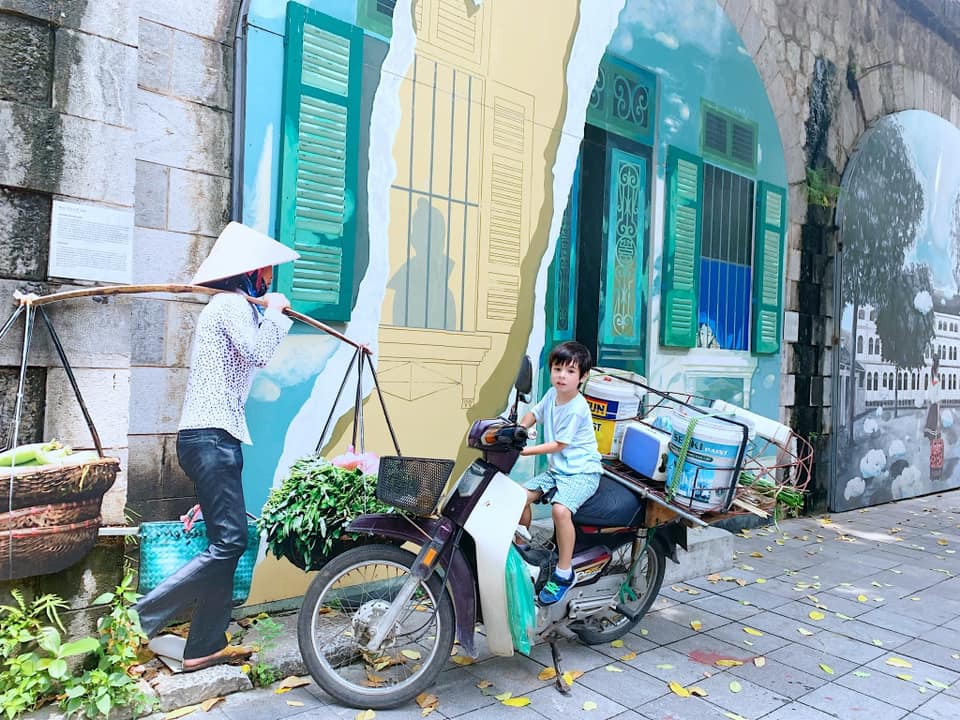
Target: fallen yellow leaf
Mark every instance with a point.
(568, 678)
(517, 702)
(462, 659)
(678, 689)
(548, 673)
(816, 615)
(735, 687)
(206, 705)
(589, 705)
(728, 662)
(411, 654)
(751, 631)
(733, 716)
(941, 541)
(756, 554)
(294, 703)
(898, 662)
(293, 681)
(629, 656)
(862, 598)
(904, 676)
(760, 581)
(617, 644)
(181, 712)
(504, 696)
(486, 683)
(282, 690)
(425, 700)
(696, 625)
(760, 661)
(826, 668)
(612, 668)
(804, 632)
(697, 690)
(367, 714)
(245, 668)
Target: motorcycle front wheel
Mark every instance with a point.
(647, 579)
(343, 603)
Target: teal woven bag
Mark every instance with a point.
(165, 547)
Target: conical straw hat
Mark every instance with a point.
(239, 250)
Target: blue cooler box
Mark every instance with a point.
(644, 449)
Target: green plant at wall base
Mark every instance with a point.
(819, 191)
(32, 657)
(261, 673)
(97, 691)
(308, 512)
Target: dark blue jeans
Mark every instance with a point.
(213, 460)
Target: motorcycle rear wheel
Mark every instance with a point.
(352, 590)
(647, 579)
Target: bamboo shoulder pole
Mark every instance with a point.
(29, 299)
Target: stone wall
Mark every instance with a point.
(183, 115)
(831, 70)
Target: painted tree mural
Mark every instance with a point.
(878, 214)
(903, 329)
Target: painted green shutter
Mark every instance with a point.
(679, 292)
(318, 164)
(767, 267)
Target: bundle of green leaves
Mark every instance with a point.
(304, 518)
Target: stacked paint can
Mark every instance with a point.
(708, 449)
(613, 404)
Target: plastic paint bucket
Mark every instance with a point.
(613, 403)
(707, 473)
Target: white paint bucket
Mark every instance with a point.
(711, 459)
(613, 404)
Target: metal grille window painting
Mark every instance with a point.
(437, 203)
(726, 260)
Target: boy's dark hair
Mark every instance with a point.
(571, 352)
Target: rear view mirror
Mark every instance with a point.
(524, 380)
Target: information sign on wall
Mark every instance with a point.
(91, 242)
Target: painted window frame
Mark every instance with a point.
(336, 255)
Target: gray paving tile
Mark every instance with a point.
(724, 607)
(920, 670)
(782, 679)
(798, 711)
(678, 708)
(757, 596)
(800, 612)
(498, 712)
(848, 704)
(631, 715)
(550, 703)
(665, 665)
(904, 694)
(941, 707)
(516, 674)
(865, 632)
(683, 615)
(409, 711)
(942, 655)
(944, 635)
(835, 603)
(752, 701)
(631, 687)
(842, 646)
(735, 635)
(631, 643)
(809, 660)
(662, 631)
(459, 694)
(255, 706)
(887, 618)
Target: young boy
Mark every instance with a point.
(571, 447)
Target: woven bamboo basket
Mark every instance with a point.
(46, 485)
(42, 516)
(42, 550)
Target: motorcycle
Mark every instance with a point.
(378, 622)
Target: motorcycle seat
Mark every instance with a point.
(612, 505)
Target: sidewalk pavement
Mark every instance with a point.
(851, 616)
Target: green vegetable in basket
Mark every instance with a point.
(33, 452)
(305, 516)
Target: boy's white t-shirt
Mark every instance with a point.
(571, 424)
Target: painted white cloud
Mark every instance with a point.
(908, 484)
(697, 22)
(854, 488)
(873, 463)
(923, 302)
(897, 449)
(667, 40)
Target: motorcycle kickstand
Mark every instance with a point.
(558, 678)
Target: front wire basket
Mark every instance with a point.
(412, 484)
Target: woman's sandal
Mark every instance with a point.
(230, 655)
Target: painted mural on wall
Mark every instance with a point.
(463, 191)
(897, 389)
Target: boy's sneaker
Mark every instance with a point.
(555, 589)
